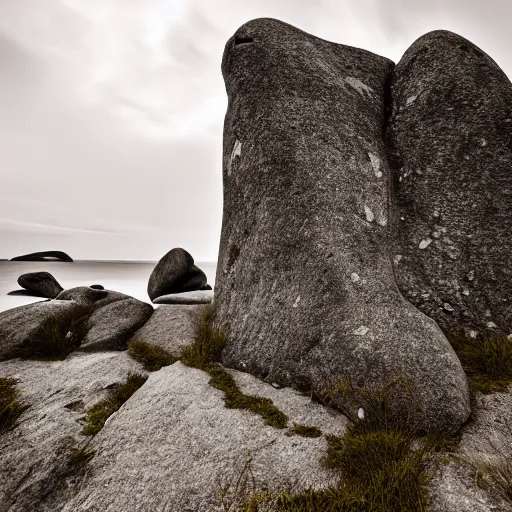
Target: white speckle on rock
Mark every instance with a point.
(237, 151)
(361, 331)
(448, 307)
(471, 275)
(369, 214)
(359, 86)
(296, 303)
(465, 291)
(376, 165)
(436, 213)
(484, 142)
(355, 278)
(382, 221)
(411, 100)
(436, 234)
(473, 334)
(509, 337)
(360, 413)
(425, 243)
(487, 313)
(397, 259)
(491, 325)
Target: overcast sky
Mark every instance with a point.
(111, 111)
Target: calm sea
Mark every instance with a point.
(126, 277)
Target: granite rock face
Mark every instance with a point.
(17, 325)
(34, 466)
(192, 444)
(305, 283)
(175, 273)
(170, 327)
(41, 284)
(450, 141)
(111, 326)
(44, 256)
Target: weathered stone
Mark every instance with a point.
(449, 139)
(305, 206)
(175, 273)
(44, 256)
(17, 325)
(91, 296)
(170, 327)
(34, 456)
(196, 297)
(191, 443)
(97, 287)
(40, 284)
(111, 326)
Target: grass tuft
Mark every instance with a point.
(58, 335)
(98, 413)
(79, 457)
(206, 351)
(486, 359)
(10, 408)
(151, 356)
(306, 431)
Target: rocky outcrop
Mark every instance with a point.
(44, 256)
(305, 283)
(196, 297)
(19, 325)
(175, 273)
(34, 457)
(450, 144)
(170, 327)
(179, 423)
(40, 284)
(111, 326)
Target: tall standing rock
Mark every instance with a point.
(450, 136)
(305, 283)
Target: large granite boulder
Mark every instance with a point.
(40, 284)
(44, 256)
(18, 326)
(175, 273)
(450, 141)
(305, 283)
(111, 326)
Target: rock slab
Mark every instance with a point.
(305, 284)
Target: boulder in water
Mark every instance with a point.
(40, 284)
(44, 256)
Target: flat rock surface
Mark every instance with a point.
(170, 327)
(189, 442)
(195, 297)
(111, 326)
(449, 137)
(305, 283)
(33, 457)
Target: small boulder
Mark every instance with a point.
(170, 327)
(175, 273)
(196, 297)
(111, 326)
(44, 256)
(97, 287)
(91, 296)
(40, 284)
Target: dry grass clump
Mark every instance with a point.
(10, 408)
(79, 457)
(58, 335)
(486, 359)
(151, 356)
(205, 351)
(98, 413)
(306, 430)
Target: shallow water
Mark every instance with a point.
(126, 277)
